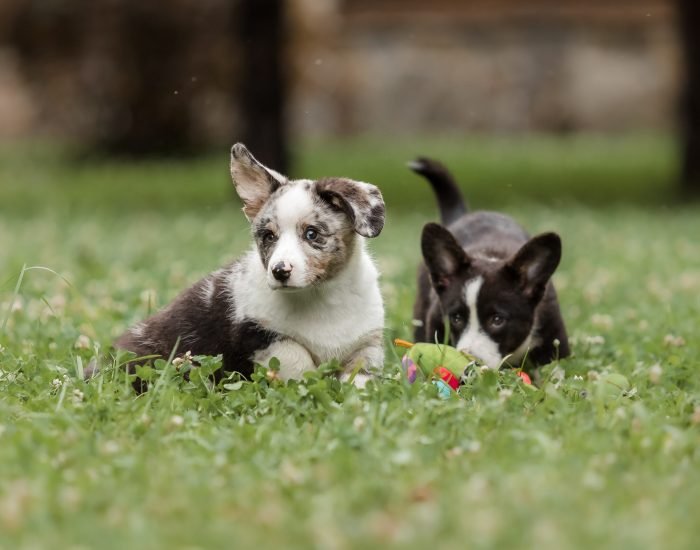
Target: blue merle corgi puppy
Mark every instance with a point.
(485, 279)
(305, 293)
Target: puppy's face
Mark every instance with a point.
(305, 230)
(489, 303)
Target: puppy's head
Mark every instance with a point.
(490, 303)
(305, 230)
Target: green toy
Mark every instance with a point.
(441, 363)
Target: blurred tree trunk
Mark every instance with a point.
(123, 60)
(689, 22)
(261, 28)
(156, 106)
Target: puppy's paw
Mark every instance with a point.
(294, 359)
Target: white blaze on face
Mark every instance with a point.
(474, 339)
(291, 207)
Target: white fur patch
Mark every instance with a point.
(474, 339)
(294, 359)
(332, 321)
(294, 204)
(207, 291)
(486, 258)
(359, 380)
(137, 330)
(291, 207)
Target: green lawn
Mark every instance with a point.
(319, 464)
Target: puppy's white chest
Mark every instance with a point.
(336, 330)
(331, 322)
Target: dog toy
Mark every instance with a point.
(441, 363)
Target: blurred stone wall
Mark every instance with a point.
(404, 66)
(355, 66)
(92, 70)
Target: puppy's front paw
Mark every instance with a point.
(363, 364)
(294, 359)
(359, 381)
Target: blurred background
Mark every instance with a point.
(591, 100)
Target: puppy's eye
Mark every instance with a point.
(311, 234)
(497, 321)
(457, 319)
(268, 237)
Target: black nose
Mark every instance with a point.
(281, 271)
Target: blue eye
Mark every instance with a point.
(310, 234)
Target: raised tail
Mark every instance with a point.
(449, 197)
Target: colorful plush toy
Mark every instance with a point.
(442, 364)
(434, 361)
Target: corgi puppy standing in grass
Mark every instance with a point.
(486, 282)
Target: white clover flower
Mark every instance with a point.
(601, 321)
(655, 372)
(82, 342)
(185, 359)
(505, 394)
(176, 421)
(474, 446)
(110, 447)
(673, 341)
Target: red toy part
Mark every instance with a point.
(524, 377)
(449, 378)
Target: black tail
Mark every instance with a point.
(448, 195)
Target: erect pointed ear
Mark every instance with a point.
(443, 255)
(362, 202)
(254, 182)
(535, 262)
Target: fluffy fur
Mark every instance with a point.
(487, 282)
(306, 292)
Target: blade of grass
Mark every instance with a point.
(19, 285)
(14, 297)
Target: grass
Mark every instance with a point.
(319, 464)
(588, 169)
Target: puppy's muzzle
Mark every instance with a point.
(281, 271)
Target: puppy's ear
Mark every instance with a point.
(443, 255)
(254, 182)
(362, 202)
(534, 264)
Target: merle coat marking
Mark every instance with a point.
(489, 280)
(306, 292)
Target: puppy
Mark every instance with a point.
(486, 281)
(306, 292)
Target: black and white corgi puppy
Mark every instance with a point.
(306, 292)
(486, 278)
